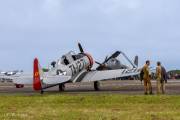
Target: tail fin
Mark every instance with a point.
(36, 76)
(136, 61)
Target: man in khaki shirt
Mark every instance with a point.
(160, 80)
(147, 78)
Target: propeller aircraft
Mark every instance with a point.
(72, 68)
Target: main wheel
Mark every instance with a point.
(42, 92)
(61, 87)
(96, 86)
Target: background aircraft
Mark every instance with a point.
(4, 78)
(10, 73)
(112, 62)
(4, 75)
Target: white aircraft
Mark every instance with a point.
(4, 75)
(112, 63)
(70, 68)
(10, 73)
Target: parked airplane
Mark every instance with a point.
(5, 75)
(10, 73)
(72, 68)
(112, 63)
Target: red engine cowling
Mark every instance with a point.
(19, 85)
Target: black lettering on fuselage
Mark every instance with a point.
(77, 66)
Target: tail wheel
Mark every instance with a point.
(19, 86)
(42, 91)
(61, 87)
(97, 86)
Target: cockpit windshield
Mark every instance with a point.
(72, 53)
(76, 57)
(64, 60)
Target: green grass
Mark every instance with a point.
(89, 107)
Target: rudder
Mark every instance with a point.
(136, 61)
(36, 76)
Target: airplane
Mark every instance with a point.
(70, 68)
(4, 75)
(10, 73)
(112, 63)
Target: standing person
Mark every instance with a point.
(160, 78)
(164, 74)
(147, 78)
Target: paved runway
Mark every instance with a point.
(129, 87)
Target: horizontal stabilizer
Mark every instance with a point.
(55, 79)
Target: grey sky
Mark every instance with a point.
(49, 28)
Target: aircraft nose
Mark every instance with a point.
(90, 59)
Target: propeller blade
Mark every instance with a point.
(106, 58)
(98, 63)
(116, 54)
(80, 48)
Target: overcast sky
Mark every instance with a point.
(49, 28)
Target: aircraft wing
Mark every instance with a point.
(24, 79)
(50, 80)
(108, 74)
(46, 79)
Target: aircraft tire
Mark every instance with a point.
(42, 92)
(96, 86)
(61, 87)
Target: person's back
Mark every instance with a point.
(146, 72)
(164, 74)
(158, 72)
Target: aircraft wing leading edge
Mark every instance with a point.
(107, 74)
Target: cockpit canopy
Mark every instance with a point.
(67, 59)
(70, 57)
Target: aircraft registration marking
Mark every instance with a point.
(77, 66)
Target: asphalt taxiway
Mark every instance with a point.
(129, 87)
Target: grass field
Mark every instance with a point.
(89, 107)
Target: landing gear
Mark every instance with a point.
(96, 86)
(61, 87)
(42, 91)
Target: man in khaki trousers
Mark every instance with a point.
(147, 78)
(160, 79)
